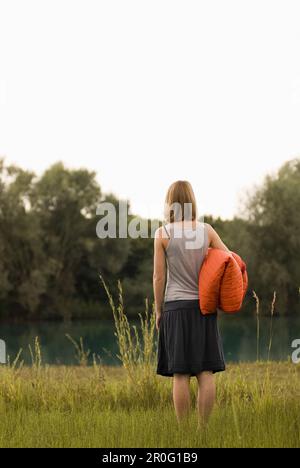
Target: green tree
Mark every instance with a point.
(274, 241)
(64, 201)
(22, 281)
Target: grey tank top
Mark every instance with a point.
(185, 253)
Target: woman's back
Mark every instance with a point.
(185, 253)
(189, 342)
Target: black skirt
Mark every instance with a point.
(188, 342)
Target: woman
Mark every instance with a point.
(189, 343)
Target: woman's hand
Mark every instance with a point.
(157, 319)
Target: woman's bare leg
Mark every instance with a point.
(181, 395)
(206, 396)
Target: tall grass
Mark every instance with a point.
(271, 324)
(137, 352)
(257, 324)
(257, 406)
(36, 354)
(130, 406)
(81, 354)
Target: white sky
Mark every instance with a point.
(147, 92)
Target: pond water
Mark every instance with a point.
(238, 333)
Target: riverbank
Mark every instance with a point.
(258, 405)
(239, 335)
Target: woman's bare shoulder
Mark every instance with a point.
(208, 227)
(210, 232)
(160, 233)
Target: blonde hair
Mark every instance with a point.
(180, 203)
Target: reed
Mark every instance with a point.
(257, 324)
(271, 324)
(137, 351)
(81, 354)
(36, 354)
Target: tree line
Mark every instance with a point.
(51, 257)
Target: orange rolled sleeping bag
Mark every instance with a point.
(223, 282)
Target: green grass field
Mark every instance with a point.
(258, 405)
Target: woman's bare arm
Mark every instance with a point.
(215, 240)
(159, 274)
